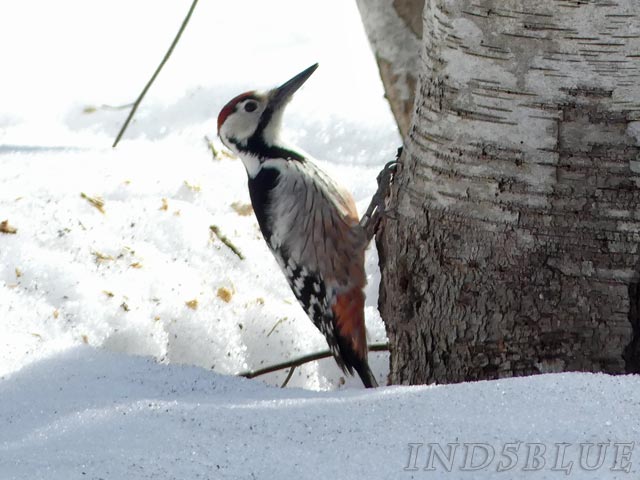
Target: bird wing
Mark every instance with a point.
(320, 246)
(316, 224)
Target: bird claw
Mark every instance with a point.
(385, 177)
(372, 217)
(387, 174)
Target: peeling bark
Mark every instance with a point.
(515, 249)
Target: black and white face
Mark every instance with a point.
(258, 113)
(239, 119)
(249, 125)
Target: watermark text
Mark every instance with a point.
(522, 456)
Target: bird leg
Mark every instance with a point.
(371, 218)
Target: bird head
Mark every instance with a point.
(251, 121)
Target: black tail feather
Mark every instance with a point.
(366, 375)
(348, 360)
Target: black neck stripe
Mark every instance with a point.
(257, 147)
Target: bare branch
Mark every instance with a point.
(289, 375)
(155, 74)
(377, 347)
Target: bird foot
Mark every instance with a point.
(377, 208)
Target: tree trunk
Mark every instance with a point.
(394, 29)
(515, 246)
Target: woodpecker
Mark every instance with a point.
(309, 222)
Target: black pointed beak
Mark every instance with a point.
(281, 95)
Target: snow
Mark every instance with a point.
(108, 415)
(121, 329)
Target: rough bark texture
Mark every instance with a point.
(394, 29)
(515, 249)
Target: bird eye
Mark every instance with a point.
(250, 106)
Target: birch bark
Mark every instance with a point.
(515, 249)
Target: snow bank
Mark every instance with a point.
(92, 414)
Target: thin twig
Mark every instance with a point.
(155, 74)
(226, 241)
(289, 375)
(275, 325)
(211, 147)
(376, 347)
(95, 201)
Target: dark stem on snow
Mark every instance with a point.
(155, 74)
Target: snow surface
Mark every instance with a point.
(87, 413)
(85, 294)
